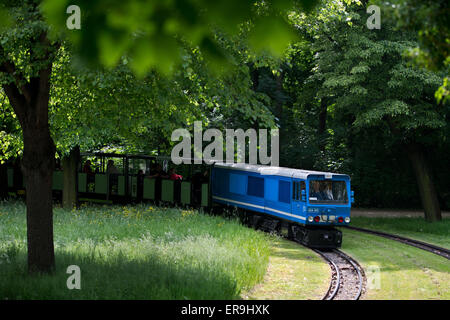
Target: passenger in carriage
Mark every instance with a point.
(173, 175)
(112, 171)
(89, 172)
(140, 185)
(159, 173)
(87, 167)
(111, 168)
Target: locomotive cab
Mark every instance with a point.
(328, 200)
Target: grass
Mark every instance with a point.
(437, 233)
(398, 271)
(137, 252)
(144, 252)
(294, 273)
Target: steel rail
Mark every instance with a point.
(331, 294)
(356, 266)
(443, 252)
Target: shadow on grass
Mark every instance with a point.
(115, 278)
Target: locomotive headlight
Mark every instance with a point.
(310, 219)
(347, 219)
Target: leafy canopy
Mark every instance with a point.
(152, 32)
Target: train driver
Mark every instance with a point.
(315, 192)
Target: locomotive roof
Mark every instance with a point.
(277, 171)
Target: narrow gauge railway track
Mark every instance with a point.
(443, 252)
(346, 276)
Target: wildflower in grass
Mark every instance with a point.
(187, 213)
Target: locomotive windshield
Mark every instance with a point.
(330, 192)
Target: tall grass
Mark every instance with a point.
(135, 252)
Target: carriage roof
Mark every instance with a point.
(277, 171)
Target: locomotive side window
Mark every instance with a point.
(283, 191)
(302, 188)
(295, 194)
(298, 186)
(255, 187)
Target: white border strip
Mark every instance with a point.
(260, 207)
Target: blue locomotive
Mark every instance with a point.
(306, 203)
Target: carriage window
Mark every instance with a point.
(255, 187)
(323, 191)
(283, 191)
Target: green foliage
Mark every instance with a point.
(20, 41)
(431, 21)
(345, 98)
(23, 54)
(388, 102)
(359, 84)
(10, 133)
(97, 107)
(152, 33)
(110, 107)
(373, 82)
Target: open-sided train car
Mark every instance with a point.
(133, 180)
(130, 181)
(306, 203)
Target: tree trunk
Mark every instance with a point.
(38, 164)
(3, 182)
(29, 97)
(70, 164)
(425, 183)
(282, 134)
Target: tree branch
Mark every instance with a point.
(9, 67)
(17, 101)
